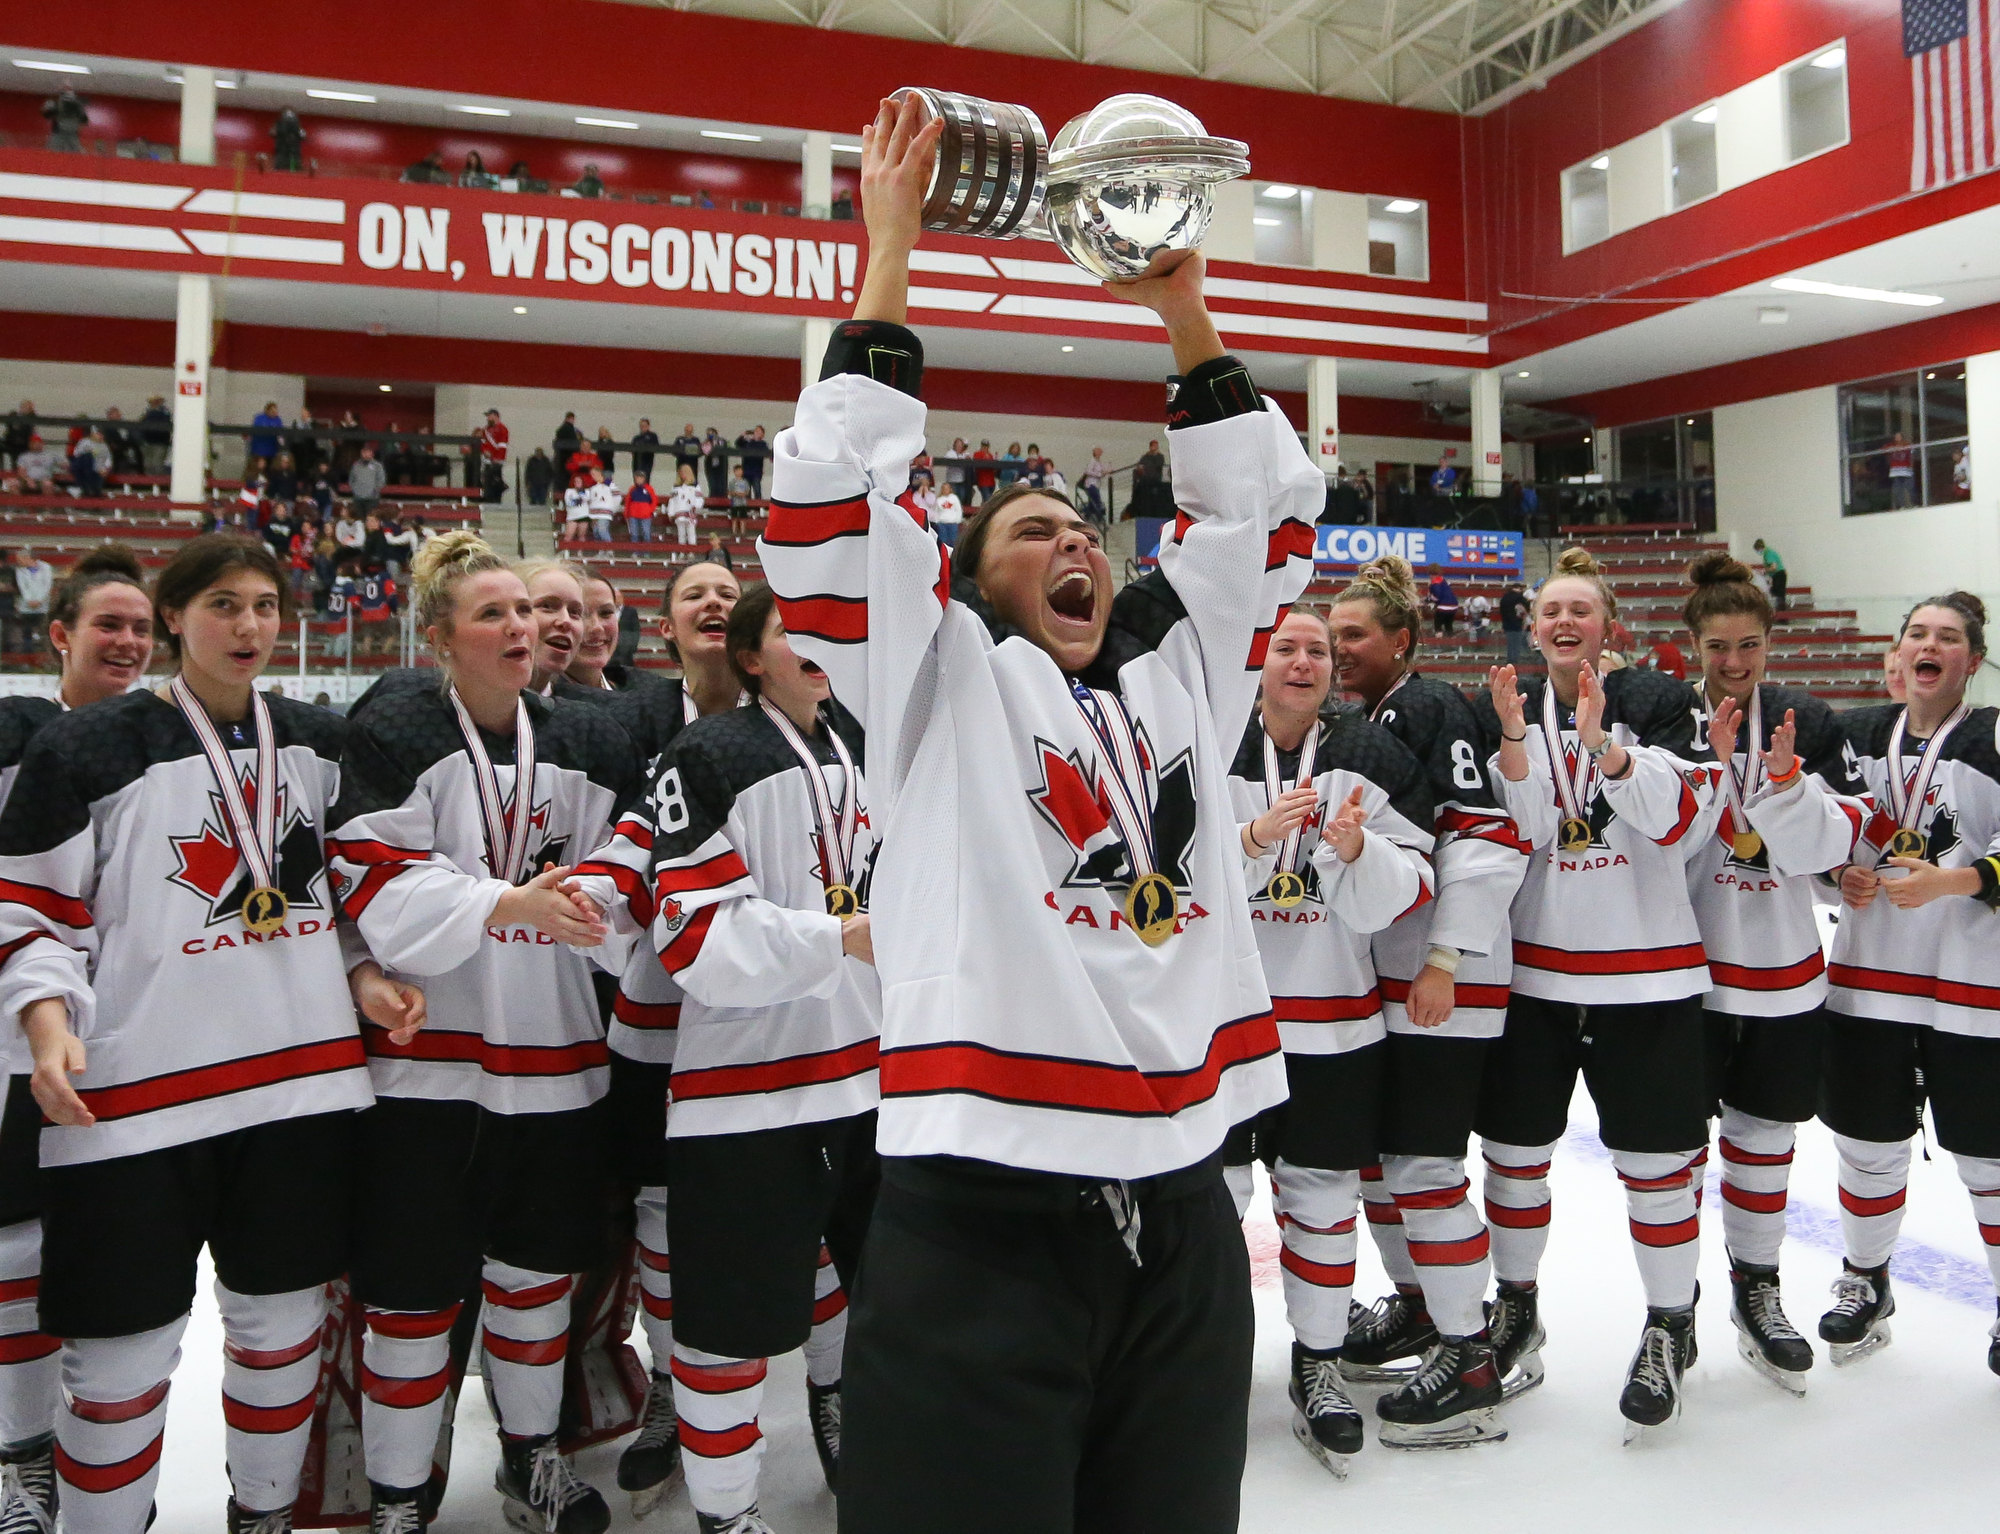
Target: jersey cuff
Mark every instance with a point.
(1216, 390)
(889, 354)
(1989, 881)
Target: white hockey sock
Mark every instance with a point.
(1756, 1174)
(1517, 1207)
(405, 1371)
(270, 1379)
(1665, 1215)
(1385, 1225)
(1316, 1215)
(718, 1400)
(826, 1345)
(1242, 1181)
(525, 1332)
(656, 1277)
(1874, 1181)
(1981, 1177)
(113, 1422)
(1447, 1240)
(30, 1371)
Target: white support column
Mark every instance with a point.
(817, 162)
(198, 116)
(1323, 413)
(193, 317)
(812, 350)
(1603, 450)
(1486, 432)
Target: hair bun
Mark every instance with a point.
(109, 559)
(1391, 573)
(1718, 567)
(1577, 561)
(443, 551)
(1969, 604)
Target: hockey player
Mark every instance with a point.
(1915, 997)
(555, 588)
(598, 637)
(1784, 821)
(1445, 969)
(161, 857)
(1595, 773)
(485, 1154)
(1055, 1329)
(101, 630)
(1315, 895)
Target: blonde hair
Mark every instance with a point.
(1580, 564)
(528, 569)
(1389, 586)
(438, 568)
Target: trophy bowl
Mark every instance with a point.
(992, 160)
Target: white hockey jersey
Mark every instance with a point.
(121, 891)
(1755, 911)
(1316, 954)
(1024, 1022)
(513, 1022)
(1938, 964)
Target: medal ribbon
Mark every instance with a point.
(1736, 791)
(1125, 783)
(506, 825)
(1907, 794)
(1274, 785)
(255, 832)
(1572, 788)
(689, 713)
(836, 827)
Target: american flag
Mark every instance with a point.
(1954, 89)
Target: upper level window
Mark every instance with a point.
(1587, 203)
(1691, 142)
(1282, 218)
(1903, 441)
(1398, 238)
(1816, 103)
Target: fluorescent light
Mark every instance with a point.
(1267, 223)
(226, 85)
(1842, 290)
(52, 66)
(1403, 205)
(847, 149)
(741, 138)
(520, 308)
(1281, 192)
(339, 96)
(605, 122)
(1072, 348)
(1602, 162)
(1707, 114)
(1833, 58)
(384, 388)
(1523, 374)
(485, 111)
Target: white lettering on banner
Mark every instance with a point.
(511, 242)
(711, 261)
(588, 262)
(816, 259)
(1358, 545)
(558, 269)
(625, 270)
(381, 237)
(784, 289)
(426, 241)
(673, 259)
(753, 265)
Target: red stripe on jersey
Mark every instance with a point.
(63, 910)
(118, 1411)
(686, 945)
(1183, 525)
(1321, 1275)
(20, 1289)
(1483, 825)
(445, 1046)
(525, 1299)
(1888, 1203)
(826, 1307)
(1756, 1203)
(1372, 1172)
(942, 589)
(774, 1075)
(1326, 1009)
(1609, 961)
(709, 874)
(1451, 1254)
(1493, 997)
(1532, 1218)
(1736, 1155)
(326, 1058)
(26, 1347)
(358, 899)
(1855, 978)
(111, 1477)
(1434, 1198)
(708, 1445)
(411, 1325)
(18, 944)
(636, 832)
(270, 1358)
(1784, 977)
(1963, 993)
(1689, 808)
(1260, 642)
(657, 1308)
(367, 850)
(720, 1379)
(1675, 1233)
(840, 620)
(794, 526)
(511, 1350)
(392, 1390)
(268, 1419)
(1290, 539)
(1086, 1086)
(1423, 899)
(659, 1262)
(645, 1014)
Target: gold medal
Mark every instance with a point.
(841, 901)
(264, 910)
(1575, 834)
(1152, 908)
(1908, 844)
(1747, 844)
(1285, 889)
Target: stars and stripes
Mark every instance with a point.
(1954, 85)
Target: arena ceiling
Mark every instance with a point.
(1446, 55)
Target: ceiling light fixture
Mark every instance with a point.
(339, 96)
(1833, 58)
(1403, 205)
(383, 387)
(847, 149)
(227, 85)
(520, 308)
(605, 122)
(1524, 373)
(1280, 193)
(484, 111)
(52, 66)
(741, 138)
(1602, 162)
(1843, 290)
(1072, 348)
(1707, 114)
(1267, 223)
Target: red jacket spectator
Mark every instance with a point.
(581, 462)
(984, 476)
(1666, 656)
(493, 439)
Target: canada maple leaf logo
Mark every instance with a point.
(211, 867)
(1075, 802)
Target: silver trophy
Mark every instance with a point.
(1129, 179)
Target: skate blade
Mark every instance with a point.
(1638, 1432)
(646, 1501)
(523, 1517)
(1785, 1379)
(1334, 1464)
(1460, 1432)
(1844, 1353)
(1526, 1374)
(1379, 1374)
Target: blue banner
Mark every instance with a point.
(1456, 550)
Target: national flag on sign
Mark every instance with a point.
(1954, 88)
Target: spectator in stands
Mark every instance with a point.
(366, 481)
(1036, 473)
(475, 177)
(1892, 674)
(948, 515)
(525, 180)
(346, 446)
(124, 446)
(605, 501)
(282, 483)
(644, 439)
(843, 205)
(1093, 486)
(1902, 473)
(1618, 645)
(568, 440)
(1011, 464)
(351, 530)
(20, 432)
(958, 475)
(375, 548)
(640, 502)
(1665, 656)
(493, 439)
(684, 505)
(1444, 478)
(278, 531)
(1478, 610)
(33, 580)
(429, 171)
(582, 463)
(322, 494)
(715, 464)
(607, 453)
(576, 513)
(299, 559)
(1053, 481)
(717, 554)
(754, 450)
(739, 505)
(1514, 622)
(1774, 572)
(1149, 483)
(687, 450)
(37, 467)
(537, 475)
(156, 434)
(626, 651)
(89, 462)
(1444, 603)
(983, 480)
(589, 184)
(67, 113)
(9, 624)
(264, 444)
(288, 142)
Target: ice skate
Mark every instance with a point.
(745, 1522)
(1325, 1421)
(541, 1494)
(28, 1488)
(395, 1511)
(1858, 1324)
(650, 1467)
(1766, 1339)
(1652, 1395)
(823, 1410)
(242, 1521)
(1453, 1401)
(1514, 1326)
(1992, 1356)
(1388, 1341)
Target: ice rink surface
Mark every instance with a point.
(1904, 1438)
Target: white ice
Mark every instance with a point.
(1904, 1438)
